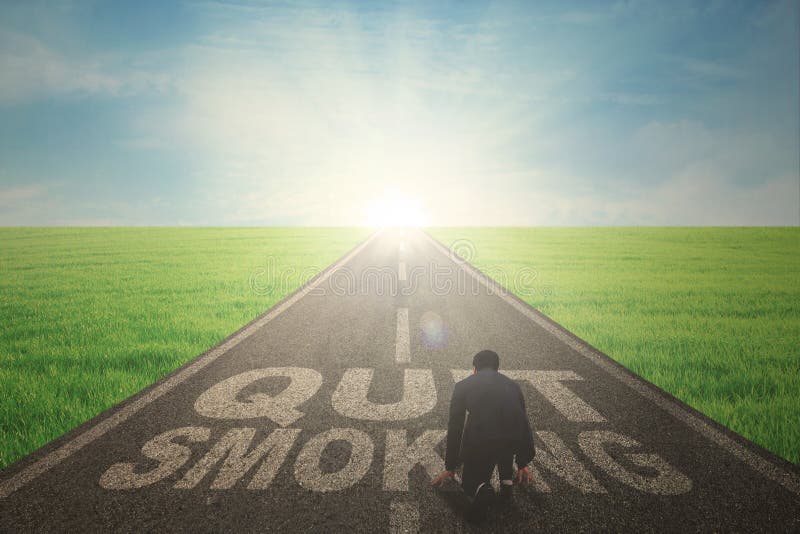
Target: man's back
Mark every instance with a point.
(495, 417)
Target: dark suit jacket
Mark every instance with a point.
(496, 420)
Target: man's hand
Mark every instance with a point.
(524, 475)
(444, 475)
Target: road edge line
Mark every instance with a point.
(122, 411)
(651, 392)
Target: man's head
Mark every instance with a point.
(486, 359)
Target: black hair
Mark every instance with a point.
(486, 359)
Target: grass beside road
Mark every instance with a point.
(92, 315)
(711, 315)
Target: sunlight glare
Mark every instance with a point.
(394, 210)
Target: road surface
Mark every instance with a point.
(328, 413)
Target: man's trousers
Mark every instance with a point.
(479, 470)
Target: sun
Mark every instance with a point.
(393, 209)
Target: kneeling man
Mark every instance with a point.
(496, 430)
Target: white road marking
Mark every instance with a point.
(170, 456)
(220, 400)
(309, 473)
(668, 481)
(402, 351)
(549, 386)
(403, 517)
(402, 457)
(233, 449)
(556, 457)
(350, 397)
(10, 485)
(236, 454)
(787, 479)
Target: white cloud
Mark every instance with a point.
(17, 194)
(693, 198)
(89, 221)
(32, 69)
(699, 196)
(665, 150)
(29, 204)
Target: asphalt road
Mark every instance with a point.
(328, 414)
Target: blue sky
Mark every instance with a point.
(529, 113)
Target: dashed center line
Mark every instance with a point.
(401, 271)
(402, 353)
(403, 515)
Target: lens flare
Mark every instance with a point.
(434, 331)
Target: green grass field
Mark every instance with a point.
(91, 316)
(711, 315)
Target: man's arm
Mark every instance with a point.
(455, 427)
(526, 450)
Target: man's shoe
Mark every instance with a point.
(506, 492)
(480, 506)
